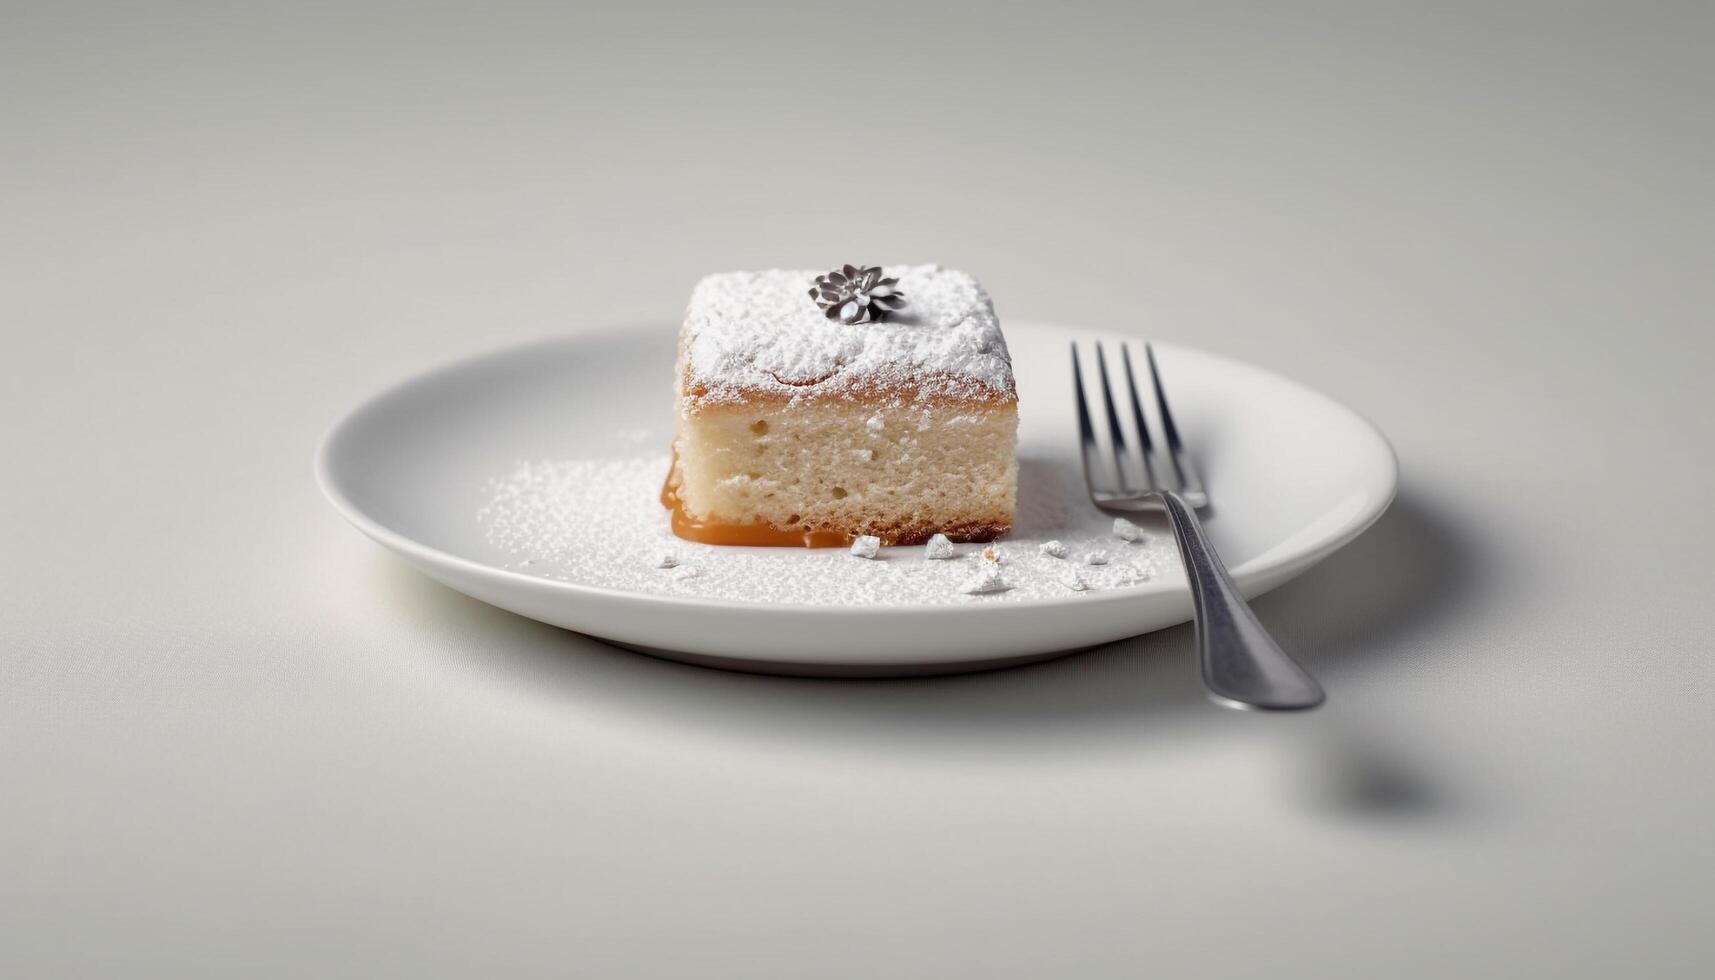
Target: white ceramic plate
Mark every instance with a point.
(1293, 476)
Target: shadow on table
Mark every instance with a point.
(1397, 581)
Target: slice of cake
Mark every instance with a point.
(862, 402)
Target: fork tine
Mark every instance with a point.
(1086, 431)
(1114, 431)
(1145, 445)
(1188, 480)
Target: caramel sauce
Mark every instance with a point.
(754, 535)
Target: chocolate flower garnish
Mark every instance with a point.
(853, 295)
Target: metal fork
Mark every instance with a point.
(1242, 665)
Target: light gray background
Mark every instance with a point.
(238, 739)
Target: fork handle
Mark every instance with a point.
(1242, 665)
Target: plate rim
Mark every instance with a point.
(1259, 567)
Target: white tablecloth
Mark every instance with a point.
(237, 739)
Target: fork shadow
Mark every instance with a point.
(1410, 571)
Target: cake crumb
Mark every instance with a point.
(1135, 574)
(939, 548)
(1096, 558)
(667, 559)
(686, 572)
(1127, 531)
(991, 554)
(1053, 549)
(866, 546)
(986, 580)
(1072, 579)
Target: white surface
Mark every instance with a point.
(236, 738)
(427, 469)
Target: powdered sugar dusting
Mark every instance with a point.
(597, 522)
(747, 332)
